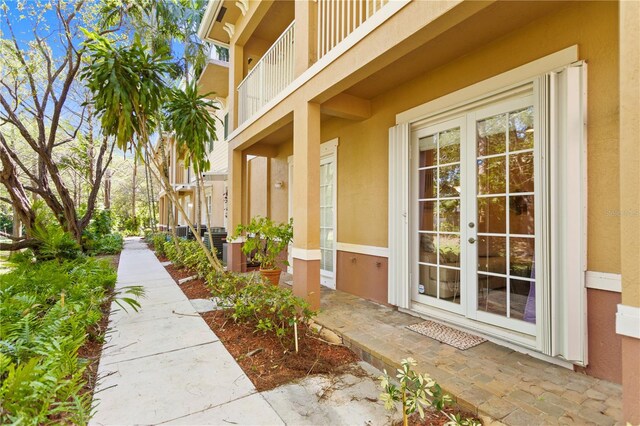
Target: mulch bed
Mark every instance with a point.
(179, 273)
(434, 418)
(262, 357)
(267, 363)
(196, 289)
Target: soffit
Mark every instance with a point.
(489, 24)
(231, 15)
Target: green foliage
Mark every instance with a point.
(265, 240)
(6, 222)
(98, 238)
(253, 300)
(185, 253)
(129, 105)
(101, 223)
(158, 244)
(56, 244)
(108, 244)
(45, 311)
(416, 392)
(189, 116)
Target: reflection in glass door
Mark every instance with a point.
(506, 243)
(327, 227)
(437, 191)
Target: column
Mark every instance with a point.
(234, 205)
(628, 316)
(306, 203)
(236, 62)
(305, 35)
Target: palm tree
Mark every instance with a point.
(131, 93)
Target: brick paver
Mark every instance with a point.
(492, 381)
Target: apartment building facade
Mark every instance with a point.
(473, 162)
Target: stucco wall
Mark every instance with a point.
(363, 155)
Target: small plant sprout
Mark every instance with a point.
(416, 392)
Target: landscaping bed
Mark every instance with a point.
(266, 362)
(250, 328)
(261, 355)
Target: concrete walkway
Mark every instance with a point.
(163, 365)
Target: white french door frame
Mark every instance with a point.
(414, 205)
(472, 249)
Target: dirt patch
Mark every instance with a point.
(196, 289)
(434, 418)
(265, 360)
(179, 273)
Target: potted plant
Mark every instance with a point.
(265, 240)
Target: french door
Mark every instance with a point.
(474, 235)
(327, 221)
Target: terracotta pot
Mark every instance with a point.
(272, 275)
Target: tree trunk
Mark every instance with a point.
(17, 224)
(107, 189)
(133, 187)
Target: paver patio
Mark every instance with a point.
(489, 379)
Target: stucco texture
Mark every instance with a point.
(363, 150)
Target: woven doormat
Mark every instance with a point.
(452, 337)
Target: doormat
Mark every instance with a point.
(450, 336)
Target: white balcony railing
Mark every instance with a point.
(272, 73)
(339, 18)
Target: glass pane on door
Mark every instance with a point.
(327, 237)
(438, 221)
(505, 215)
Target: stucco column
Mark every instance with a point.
(305, 35)
(236, 61)
(306, 203)
(628, 317)
(234, 208)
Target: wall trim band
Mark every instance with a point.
(362, 249)
(604, 281)
(305, 254)
(628, 321)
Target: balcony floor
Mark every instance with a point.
(490, 380)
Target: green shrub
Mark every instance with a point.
(107, 244)
(56, 244)
(157, 241)
(253, 300)
(172, 251)
(45, 310)
(101, 223)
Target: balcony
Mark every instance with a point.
(271, 74)
(336, 20)
(215, 76)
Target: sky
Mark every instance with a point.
(24, 15)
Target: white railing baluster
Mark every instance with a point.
(270, 76)
(339, 18)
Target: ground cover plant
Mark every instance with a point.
(46, 309)
(418, 394)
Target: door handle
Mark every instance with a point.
(472, 240)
